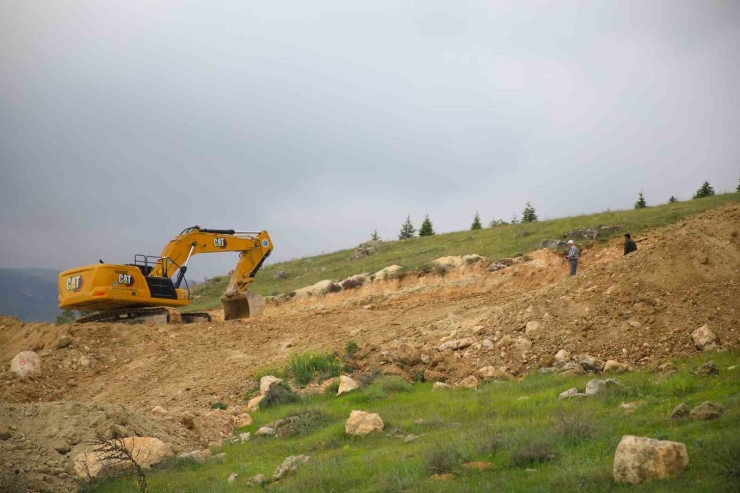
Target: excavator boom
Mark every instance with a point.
(128, 291)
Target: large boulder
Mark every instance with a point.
(363, 423)
(704, 339)
(707, 410)
(289, 466)
(592, 364)
(242, 419)
(679, 412)
(492, 373)
(26, 364)
(570, 369)
(708, 368)
(562, 357)
(346, 384)
(254, 403)
(146, 451)
(438, 386)
(387, 272)
(469, 382)
(640, 459)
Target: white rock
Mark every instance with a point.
(242, 419)
(254, 403)
(469, 382)
(346, 384)
(363, 423)
(195, 455)
(84, 361)
(266, 383)
(487, 344)
(26, 364)
(641, 459)
(440, 386)
(240, 438)
(532, 327)
(159, 411)
(266, 431)
(593, 387)
(613, 366)
(562, 356)
(568, 394)
(383, 274)
(232, 478)
(704, 339)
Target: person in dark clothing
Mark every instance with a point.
(629, 244)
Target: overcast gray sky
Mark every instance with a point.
(123, 122)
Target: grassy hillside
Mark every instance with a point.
(502, 241)
(535, 441)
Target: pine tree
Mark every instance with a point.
(375, 236)
(672, 200)
(738, 186)
(706, 190)
(407, 229)
(426, 227)
(476, 223)
(641, 203)
(529, 215)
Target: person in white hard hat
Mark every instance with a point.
(572, 257)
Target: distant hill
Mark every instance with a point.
(29, 294)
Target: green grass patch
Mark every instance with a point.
(498, 242)
(570, 444)
(304, 367)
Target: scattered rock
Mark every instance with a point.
(532, 327)
(589, 363)
(458, 344)
(504, 341)
(487, 344)
(553, 245)
(613, 366)
(290, 466)
(159, 411)
(394, 370)
(491, 373)
(570, 370)
(668, 367)
(147, 452)
(257, 480)
(640, 459)
(242, 419)
(704, 339)
(707, 410)
(266, 431)
(593, 387)
(232, 478)
(346, 384)
(629, 407)
(366, 249)
(679, 412)
(387, 272)
(63, 342)
(26, 364)
(410, 438)
(240, 438)
(280, 275)
(434, 376)
(562, 357)
(267, 382)
(440, 386)
(84, 360)
(708, 368)
(195, 455)
(469, 382)
(523, 344)
(363, 423)
(571, 394)
(254, 403)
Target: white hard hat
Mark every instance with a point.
(570, 242)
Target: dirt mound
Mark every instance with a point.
(39, 441)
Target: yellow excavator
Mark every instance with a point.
(144, 292)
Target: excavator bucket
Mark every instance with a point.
(242, 305)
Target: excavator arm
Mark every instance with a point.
(254, 248)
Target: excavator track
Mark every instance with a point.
(145, 315)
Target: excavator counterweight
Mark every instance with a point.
(145, 291)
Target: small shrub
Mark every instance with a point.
(442, 458)
(279, 395)
(291, 294)
(304, 367)
(729, 459)
(534, 453)
(575, 427)
(219, 405)
(398, 275)
(682, 386)
(440, 270)
(350, 349)
(366, 378)
(393, 384)
(353, 282)
(491, 444)
(425, 269)
(332, 288)
(332, 389)
(311, 420)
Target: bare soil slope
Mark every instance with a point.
(638, 310)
